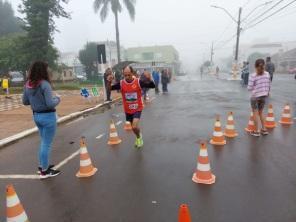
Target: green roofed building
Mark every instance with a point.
(154, 57)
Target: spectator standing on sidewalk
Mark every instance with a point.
(245, 73)
(108, 73)
(165, 79)
(38, 94)
(145, 90)
(5, 85)
(156, 78)
(259, 85)
(270, 67)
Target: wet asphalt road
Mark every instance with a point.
(256, 177)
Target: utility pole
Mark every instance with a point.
(212, 53)
(235, 71)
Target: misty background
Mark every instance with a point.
(189, 25)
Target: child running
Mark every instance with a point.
(259, 85)
(131, 90)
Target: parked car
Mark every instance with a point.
(17, 78)
(81, 77)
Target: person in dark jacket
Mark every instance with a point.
(165, 79)
(270, 67)
(38, 94)
(108, 73)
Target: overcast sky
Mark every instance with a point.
(189, 25)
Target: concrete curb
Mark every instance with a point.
(63, 119)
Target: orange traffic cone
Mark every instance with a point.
(203, 172)
(218, 137)
(269, 120)
(86, 167)
(184, 214)
(230, 128)
(14, 211)
(251, 124)
(113, 138)
(128, 126)
(286, 116)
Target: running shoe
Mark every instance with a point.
(264, 132)
(40, 169)
(49, 173)
(254, 133)
(140, 142)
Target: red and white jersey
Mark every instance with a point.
(131, 96)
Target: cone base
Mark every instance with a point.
(197, 180)
(286, 123)
(114, 143)
(271, 126)
(218, 143)
(248, 130)
(231, 135)
(91, 173)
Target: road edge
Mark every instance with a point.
(11, 139)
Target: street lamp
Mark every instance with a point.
(238, 22)
(239, 29)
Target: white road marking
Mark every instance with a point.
(73, 155)
(100, 136)
(118, 123)
(19, 176)
(37, 177)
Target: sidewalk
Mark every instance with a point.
(19, 119)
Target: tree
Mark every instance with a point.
(207, 64)
(116, 7)
(88, 57)
(8, 22)
(12, 56)
(40, 26)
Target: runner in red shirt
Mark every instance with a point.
(131, 90)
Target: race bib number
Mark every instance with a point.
(133, 106)
(131, 97)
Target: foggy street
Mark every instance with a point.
(255, 177)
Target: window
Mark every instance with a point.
(65, 74)
(71, 74)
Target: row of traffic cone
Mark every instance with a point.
(203, 172)
(270, 123)
(218, 138)
(15, 211)
(86, 167)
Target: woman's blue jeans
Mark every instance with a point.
(47, 124)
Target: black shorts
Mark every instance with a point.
(130, 117)
(258, 103)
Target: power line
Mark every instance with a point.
(266, 11)
(224, 31)
(224, 43)
(262, 20)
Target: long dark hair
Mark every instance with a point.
(260, 62)
(38, 72)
